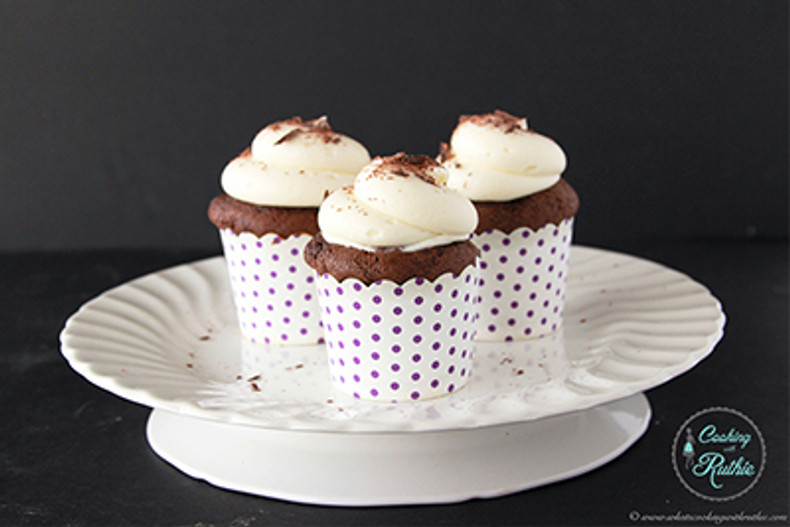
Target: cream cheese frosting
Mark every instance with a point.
(399, 201)
(293, 163)
(496, 157)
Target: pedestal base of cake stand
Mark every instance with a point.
(399, 468)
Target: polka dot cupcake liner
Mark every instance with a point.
(523, 275)
(273, 288)
(390, 342)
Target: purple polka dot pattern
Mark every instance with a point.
(523, 276)
(273, 289)
(378, 353)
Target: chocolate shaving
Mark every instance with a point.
(318, 127)
(320, 122)
(405, 165)
(445, 152)
(287, 137)
(499, 119)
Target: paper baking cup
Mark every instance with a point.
(391, 342)
(522, 281)
(273, 288)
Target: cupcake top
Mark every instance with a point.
(496, 157)
(293, 163)
(400, 201)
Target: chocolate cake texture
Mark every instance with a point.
(553, 205)
(226, 212)
(393, 264)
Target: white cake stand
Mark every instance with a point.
(330, 468)
(534, 412)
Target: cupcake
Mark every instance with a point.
(526, 210)
(397, 281)
(267, 214)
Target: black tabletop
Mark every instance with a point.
(73, 454)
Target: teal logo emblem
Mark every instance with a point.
(718, 454)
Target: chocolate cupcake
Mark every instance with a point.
(397, 281)
(267, 214)
(526, 210)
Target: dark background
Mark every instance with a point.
(116, 118)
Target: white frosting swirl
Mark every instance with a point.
(495, 157)
(398, 201)
(294, 163)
